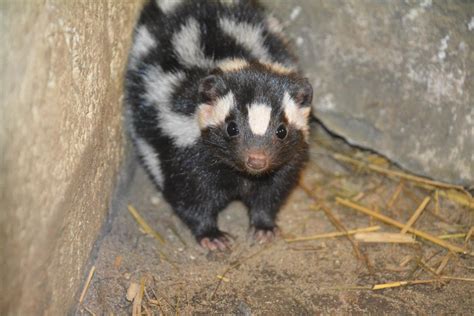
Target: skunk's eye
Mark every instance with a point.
(281, 132)
(232, 129)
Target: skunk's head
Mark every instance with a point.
(254, 116)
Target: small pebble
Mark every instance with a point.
(155, 200)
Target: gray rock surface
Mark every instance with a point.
(393, 76)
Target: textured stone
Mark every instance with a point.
(61, 69)
(393, 76)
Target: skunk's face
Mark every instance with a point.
(253, 119)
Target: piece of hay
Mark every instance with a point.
(415, 215)
(89, 311)
(132, 291)
(333, 234)
(443, 263)
(144, 225)
(395, 284)
(395, 195)
(405, 261)
(436, 197)
(337, 223)
(137, 300)
(384, 238)
(469, 234)
(223, 278)
(452, 236)
(86, 286)
(395, 223)
(455, 193)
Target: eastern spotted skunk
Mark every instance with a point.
(217, 111)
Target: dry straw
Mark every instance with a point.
(144, 225)
(452, 192)
(382, 237)
(395, 223)
(86, 286)
(333, 234)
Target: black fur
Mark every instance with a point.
(201, 179)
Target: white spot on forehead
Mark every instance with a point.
(143, 42)
(259, 118)
(150, 160)
(296, 116)
(182, 129)
(215, 114)
(187, 45)
(168, 6)
(248, 35)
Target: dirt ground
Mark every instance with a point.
(324, 276)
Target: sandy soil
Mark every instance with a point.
(301, 278)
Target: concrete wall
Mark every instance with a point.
(61, 69)
(393, 76)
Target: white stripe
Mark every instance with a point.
(148, 153)
(232, 64)
(214, 115)
(259, 118)
(150, 159)
(279, 68)
(160, 85)
(295, 115)
(187, 45)
(247, 35)
(142, 44)
(182, 129)
(168, 6)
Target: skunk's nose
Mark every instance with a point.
(257, 161)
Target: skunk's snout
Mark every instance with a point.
(257, 161)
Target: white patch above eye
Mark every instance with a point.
(215, 114)
(187, 45)
(144, 41)
(168, 6)
(259, 118)
(248, 35)
(182, 129)
(296, 116)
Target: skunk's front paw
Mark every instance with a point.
(266, 235)
(216, 241)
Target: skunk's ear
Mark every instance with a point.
(304, 93)
(211, 88)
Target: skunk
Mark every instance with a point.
(217, 111)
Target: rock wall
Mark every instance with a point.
(61, 69)
(393, 76)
